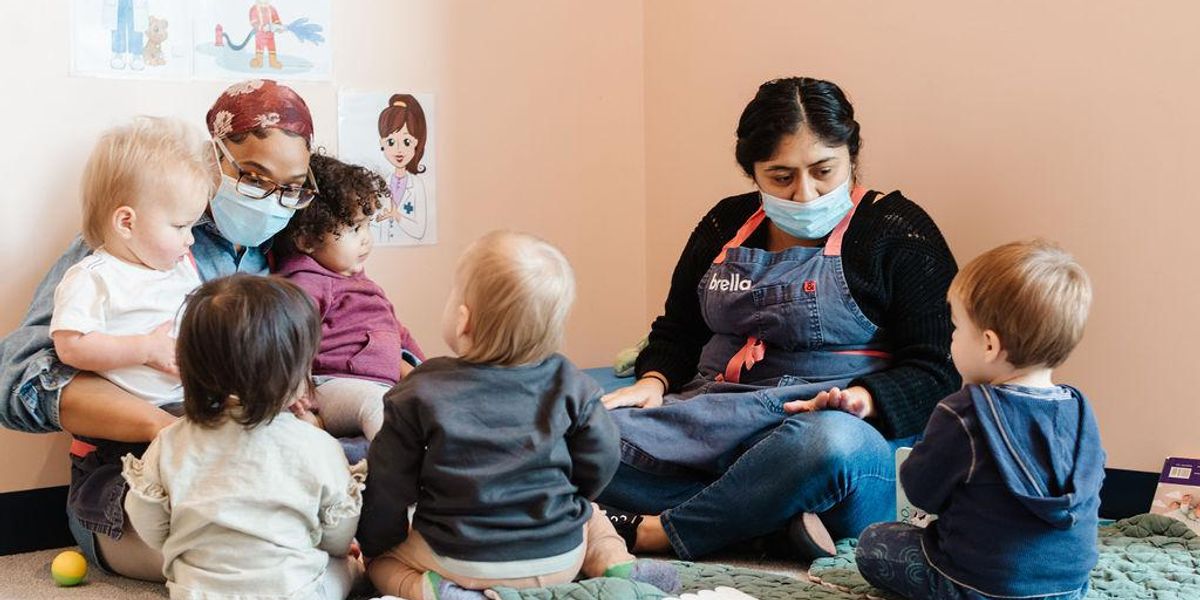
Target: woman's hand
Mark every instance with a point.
(854, 400)
(160, 349)
(646, 393)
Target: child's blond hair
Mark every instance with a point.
(519, 289)
(1033, 294)
(142, 161)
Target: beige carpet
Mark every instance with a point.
(27, 577)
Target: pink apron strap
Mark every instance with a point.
(833, 245)
(871, 353)
(746, 230)
(752, 352)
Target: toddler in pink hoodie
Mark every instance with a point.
(363, 345)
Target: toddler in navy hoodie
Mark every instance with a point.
(1012, 463)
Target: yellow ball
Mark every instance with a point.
(69, 568)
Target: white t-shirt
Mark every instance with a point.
(105, 294)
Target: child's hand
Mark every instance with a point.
(307, 416)
(160, 349)
(854, 400)
(302, 404)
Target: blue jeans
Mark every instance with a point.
(890, 557)
(827, 462)
(87, 543)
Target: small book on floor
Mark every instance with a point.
(1178, 493)
(905, 511)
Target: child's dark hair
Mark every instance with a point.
(249, 337)
(345, 191)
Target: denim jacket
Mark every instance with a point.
(31, 376)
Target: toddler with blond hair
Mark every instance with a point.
(144, 186)
(1012, 464)
(502, 449)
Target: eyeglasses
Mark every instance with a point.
(258, 187)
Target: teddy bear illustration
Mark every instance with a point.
(156, 34)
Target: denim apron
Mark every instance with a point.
(785, 327)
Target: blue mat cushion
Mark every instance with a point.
(608, 379)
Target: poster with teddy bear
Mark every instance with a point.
(131, 39)
(273, 39)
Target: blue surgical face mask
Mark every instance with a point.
(247, 221)
(811, 220)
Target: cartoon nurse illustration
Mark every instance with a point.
(402, 137)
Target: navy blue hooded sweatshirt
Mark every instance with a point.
(1014, 475)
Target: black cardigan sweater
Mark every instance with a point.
(898, 268)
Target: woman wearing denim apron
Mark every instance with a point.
(262, 134)
(806, 335)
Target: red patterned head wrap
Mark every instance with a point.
(259, 104)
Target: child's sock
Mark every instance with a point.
(433, 587)
(658, 573)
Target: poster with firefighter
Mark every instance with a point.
(273, 39)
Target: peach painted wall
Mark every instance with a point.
(541, 129)
(1076, 121)
(1066, 120)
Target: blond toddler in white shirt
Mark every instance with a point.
(145, 185)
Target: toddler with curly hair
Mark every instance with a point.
(363, 345)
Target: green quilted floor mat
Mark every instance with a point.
(695, 577)
(1147, 556)
(764, 586)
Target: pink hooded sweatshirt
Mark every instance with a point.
(360, 336)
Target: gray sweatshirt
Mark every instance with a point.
(502, 462)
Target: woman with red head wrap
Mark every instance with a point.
(262, 134)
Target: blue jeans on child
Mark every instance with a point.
(826, 462)
(890, 557)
